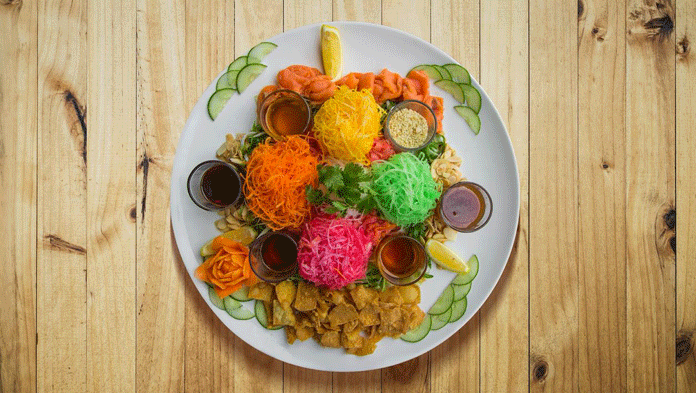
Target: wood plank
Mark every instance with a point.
(18, 166)
(650, 195)
(504, 321)
(298, 13)
(686, 196)
(412, 17)
(61, 216)
(111, 196)
(161, 276)
(255, 22)
(455, 28)
(602, 183)
(363, 11)
(210, 345)
(553, 195)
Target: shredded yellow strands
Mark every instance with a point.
(347, 124)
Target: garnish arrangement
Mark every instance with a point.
(340, 197)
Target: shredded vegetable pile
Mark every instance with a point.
(347, 124)
(404, 189)
(276, 177)
(333, 252)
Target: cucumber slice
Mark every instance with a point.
(215, 299)
(247, 75)
(458, 310)
(472, 119)
(207, 249)
(242, 294)
(458, 73)
(429, 70)
(217, 102)
(472, 96)
(262, 316)
(465, 278)
(257, 53)
(237, 64)
(460, 291)
(231, 304)
(228, 80)
(441, 320)
(419, 332)
(241, 313)
(453, 88)
(443, 71)
(444, 302)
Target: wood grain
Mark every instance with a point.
(650, 191)
(553, 174)
(161, 278)
(110, 196)
(504, 318)
(210, 346)
(602, 194)
(456, 363)
(369, 11)
(61, 216)
(686, 195)
(18, 171)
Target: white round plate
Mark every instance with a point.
(488, 159)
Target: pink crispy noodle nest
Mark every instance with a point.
(333, 252)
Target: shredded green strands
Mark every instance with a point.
(404, 190)
(343, 188)
(255, 137)
(433, 150)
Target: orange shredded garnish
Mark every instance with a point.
(276, 177)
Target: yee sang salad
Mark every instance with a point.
(336, 186)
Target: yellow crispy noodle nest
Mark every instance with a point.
(347, 124)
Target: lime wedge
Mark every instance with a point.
(331, 52)
(445, 257)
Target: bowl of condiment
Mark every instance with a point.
(283, 113)
(273, 256)
(466, 206)
(401, 259)
(214, 185)
(410, 125)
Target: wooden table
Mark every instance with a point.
(597, 295)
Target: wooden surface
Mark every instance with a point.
(599, 98)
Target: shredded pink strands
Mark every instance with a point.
(381, 150)
(333, 252)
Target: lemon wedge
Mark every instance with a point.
(445, 257)
(244, 235)
(331, 52)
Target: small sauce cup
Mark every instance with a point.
(273, 256)
(283, 113)
(401, 259)
(214, 185)
(422, 109)
(466, 207)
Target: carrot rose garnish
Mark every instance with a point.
(227, 270)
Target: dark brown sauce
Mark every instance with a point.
(399, 257)
(220, 185)
(463, 206)
(279, 252)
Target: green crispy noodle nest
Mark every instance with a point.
(404, 190)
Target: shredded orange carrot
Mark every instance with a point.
(277, 174)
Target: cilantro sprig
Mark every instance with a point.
(343, 188)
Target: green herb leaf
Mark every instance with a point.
(315, 196)
(331, 177)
